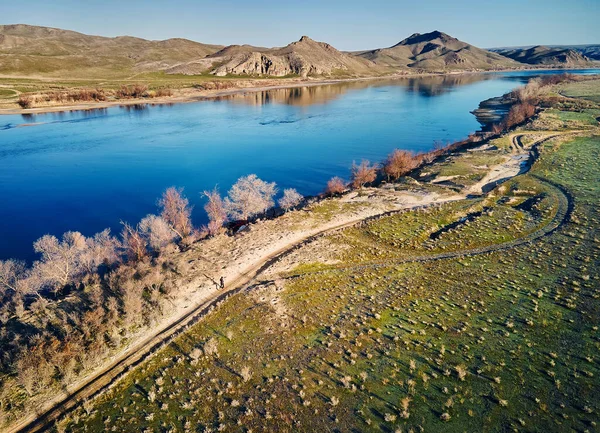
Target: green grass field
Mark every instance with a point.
(584, 90)
(7, 93)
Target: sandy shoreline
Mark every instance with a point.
(201, 95)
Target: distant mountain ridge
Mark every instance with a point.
(27, 50)
(548, 56)
(591, 51)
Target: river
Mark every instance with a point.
(89, 170)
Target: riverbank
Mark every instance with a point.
(191, 94)
(194, 92)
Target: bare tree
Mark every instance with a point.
(249, 196)
(12, 274)
(133, 242)
(157, 232)
(177, 212)
(363, 173)
(216, 211)
(399, 163)
(291, 198)
(59, 264)
(101, 249)
(335, 185)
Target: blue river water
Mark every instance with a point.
(89, 170)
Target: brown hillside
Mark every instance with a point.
(28, 50)
(437, 51)
(305, 57)
(541, 55)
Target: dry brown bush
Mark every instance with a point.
(363, 173)
(25, 101)
(163, 92)
(518, 114)
(132, 91)
(335, 185)
(399, 163)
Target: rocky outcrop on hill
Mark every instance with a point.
(305, 57)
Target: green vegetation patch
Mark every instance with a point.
(575, 118)
(464, 168)
(589, 90)
(7, 93)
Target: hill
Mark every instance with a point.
(304, 57)
(44, 52)
(592, 52)
(548, 56)
(437, 51)
(29, 50)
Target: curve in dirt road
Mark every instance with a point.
(565, 208)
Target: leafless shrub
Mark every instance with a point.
(461, 372)
(388, 417)
(214, 85)
(246, 373)
(134, 243)
(529, 92)
(12, 273)
(25, 101)
(195, 354)
(177, 212)
(86, 95)
(102, 249)
(363, 173)
(33, 370)
(496, 128)
(132, 91)
(211, 347)
(157, 232)
(518, 113)
(164, 92)
(335, 185)
(399, 163)
(59, 263)
(216, 211)
(291, 198)
(249, 196)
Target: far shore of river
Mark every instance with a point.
(188, 95)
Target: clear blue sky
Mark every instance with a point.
(348, 25)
